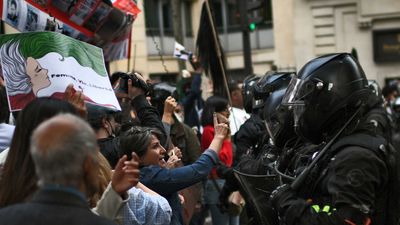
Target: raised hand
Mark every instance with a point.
(169, 107)
(222, 118)
(77, 99)
(221, 132)
(133, 92)
(221, 129)
(126, 174)
(176, 151)
(173, 162)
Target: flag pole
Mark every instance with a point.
(218, 48)
(129, 51)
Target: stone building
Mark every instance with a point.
(294, 32)
(299, 31)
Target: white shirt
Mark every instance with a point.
(6, 133)
(237, 118)
(3, 156)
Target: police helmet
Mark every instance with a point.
(326, 92)
(248, 86)
(270, 81)
(278, 118)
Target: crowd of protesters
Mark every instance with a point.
(141, 165)
(167, 157)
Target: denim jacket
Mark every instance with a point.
(167, 182)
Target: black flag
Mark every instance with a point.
(207, 52)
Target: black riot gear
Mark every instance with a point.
(262, 88)
(325, 94)
(353, 179)
(254, 173)
(278, 118)
(248, 86)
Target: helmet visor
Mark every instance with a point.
(292, 95)
(272, 128)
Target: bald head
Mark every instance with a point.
(59, 147)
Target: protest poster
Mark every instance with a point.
(11, 12)
(40, 64)
(127, 6)
(98, 17)
(83, 10)
(181, 53)
(85, 20)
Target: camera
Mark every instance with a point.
(136, 82)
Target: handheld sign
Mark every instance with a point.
(181, 53)
(42, 64)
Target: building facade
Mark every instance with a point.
(370, 27)
(153, 41)
(294, 32)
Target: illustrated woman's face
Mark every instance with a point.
(154, 154)
(38, 75)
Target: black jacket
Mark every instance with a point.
(249, 137)
(149, 117)
(109, 149)
(50, 207)
(350, 187)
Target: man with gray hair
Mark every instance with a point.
(64, 150)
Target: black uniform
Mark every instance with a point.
(351, 186)
(149, 117)
(249, 137)
(354, 178)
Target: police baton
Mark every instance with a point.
(299, 180)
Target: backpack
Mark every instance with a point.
(391, 156)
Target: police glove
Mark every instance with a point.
(283, 197)
(288, 206)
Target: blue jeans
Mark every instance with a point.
(211, 196)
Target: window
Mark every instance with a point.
(152, 18)
(218, 13)
(266, 13)
(159, 25)
(187, 22)
(227, 19)
(167, 17)
(233, 16)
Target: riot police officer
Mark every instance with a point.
(255, 177)
(356, 180)
(261, 96)
(248, 136)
